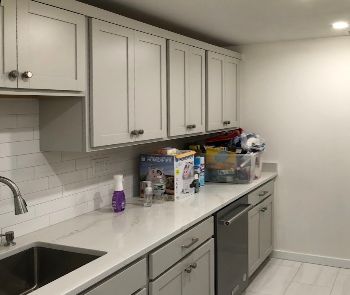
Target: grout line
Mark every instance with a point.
(292, 280)
(335, 280)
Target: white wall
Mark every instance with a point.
(297, 96)
(57, 186)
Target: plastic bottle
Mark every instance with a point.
(196, 183)
(118, 199)
(148, 195)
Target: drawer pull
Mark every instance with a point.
(194, 265)
(188, 269)
(263, 209)
(194, 240)
(263, 193)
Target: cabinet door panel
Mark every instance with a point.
(52, 45)
(168, 284)
(178, 88)
(8, 43)
(201, 278)
(230, 97)
(150, 87)
(266, 228)
(196, 82)
(253, 240)
(112, 83)
(215, 91)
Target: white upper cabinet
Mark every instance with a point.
(42, 47)
(112, 83)
(8, 44)
(222, 92)
(51, 47)
(186, 82)
(128, 90)
(150, 86)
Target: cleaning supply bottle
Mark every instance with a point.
(118, 199)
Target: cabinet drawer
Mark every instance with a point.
(261, 193)
(170, 253)
(126, 282)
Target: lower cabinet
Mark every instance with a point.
(131, 281)
(192, 275)
(259, 234)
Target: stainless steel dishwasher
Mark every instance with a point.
(231, 229)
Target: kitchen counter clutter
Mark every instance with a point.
(128, 236)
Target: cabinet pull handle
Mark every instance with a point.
(13, 75)
(191, 126)
(194, 265)
(227, 122)
(263, 209)
(194, 240)
(263, 193)
(141, 131)
(134, 132)
(188, 269)
(27, 75)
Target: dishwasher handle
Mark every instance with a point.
(228, 222)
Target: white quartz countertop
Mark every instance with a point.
(129, 235)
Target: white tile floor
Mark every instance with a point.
(283, 277)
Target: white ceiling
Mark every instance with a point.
(232, 22)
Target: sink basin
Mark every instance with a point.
(39, 265)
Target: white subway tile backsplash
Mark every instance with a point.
(8, 163)
(16, 106)
(31, 225)
(27, 121)
(8, 121)
(19, 134)
(19, 148)
(56, 185)
(54, 169)
(36, 159)
(35, 185)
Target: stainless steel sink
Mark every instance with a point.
(39, 265)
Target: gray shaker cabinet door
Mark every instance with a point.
(253, 239)
(8, 43)
(231, 92)
(222, 77)
(112, 83)
(52, 46)
(196, 82)
(150, 86)
(215, 91)
(178, 88)
(266, 228)
(186, 77)
(182, 279)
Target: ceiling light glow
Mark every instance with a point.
(341, 25)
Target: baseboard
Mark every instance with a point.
(309, 258)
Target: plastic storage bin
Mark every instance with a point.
(226, 166)
(258, 164)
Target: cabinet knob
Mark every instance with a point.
(134, 132)
(227, 122)
(13, 75)
(27, 75)
(263, 209)
(188, 269)
(194, 265)
(141, 131)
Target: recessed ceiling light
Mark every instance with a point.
(341, 25)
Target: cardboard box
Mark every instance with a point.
(171, 175)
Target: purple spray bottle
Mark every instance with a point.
(118, 199)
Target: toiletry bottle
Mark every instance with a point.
(196, 184)
(118, 199)
(148, 194)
